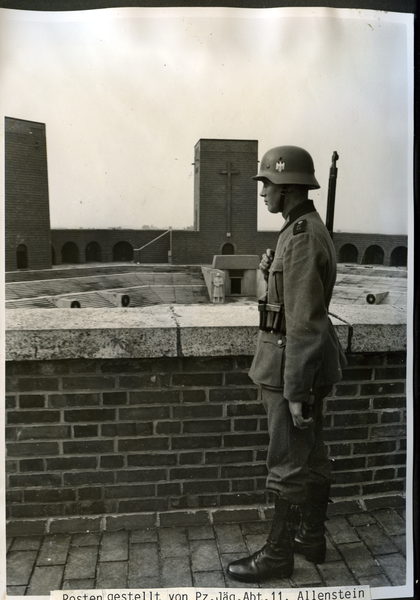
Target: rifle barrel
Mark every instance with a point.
(332, 183)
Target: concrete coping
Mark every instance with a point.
(180, 330)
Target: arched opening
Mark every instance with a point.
(399, 257)
(122, 251)
(70, 253)
(22, 257)
(374, 255)
(93, 252)
(348, 254)
(228, 249)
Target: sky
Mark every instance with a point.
(125, 94)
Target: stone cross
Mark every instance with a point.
(229, 174)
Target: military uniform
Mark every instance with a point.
(298, 359)
(301, 360)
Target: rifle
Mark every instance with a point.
(331, 193)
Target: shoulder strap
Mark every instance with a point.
(300, 226)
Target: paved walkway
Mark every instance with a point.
(366, 548)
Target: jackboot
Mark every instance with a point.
(310, 537)
(275, 559)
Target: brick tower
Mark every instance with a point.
(225, 196)
(27, 210)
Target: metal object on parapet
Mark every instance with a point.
(376, 297)
(117, 299)
(67, 303)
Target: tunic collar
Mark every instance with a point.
(305, 207)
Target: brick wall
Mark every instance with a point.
(111, 443)
(155, 253)
(188, 245)
(362, 241)
(198, 247)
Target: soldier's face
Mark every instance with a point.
(271, 192)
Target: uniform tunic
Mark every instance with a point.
(300, 362)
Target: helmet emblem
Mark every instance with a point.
(280, 166)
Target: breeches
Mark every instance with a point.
(295, 456)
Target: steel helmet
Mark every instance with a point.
(288, 165)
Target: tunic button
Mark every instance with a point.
(280, 342)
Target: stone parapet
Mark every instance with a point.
(124, 417)
(374, 328)
(179, 330)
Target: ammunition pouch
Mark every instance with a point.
(271, 316)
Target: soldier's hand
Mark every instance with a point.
(297, 415)
(266, 261)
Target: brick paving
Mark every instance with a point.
(366, 548)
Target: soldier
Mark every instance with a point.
(298, 358)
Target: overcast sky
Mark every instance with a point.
(126, 93)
